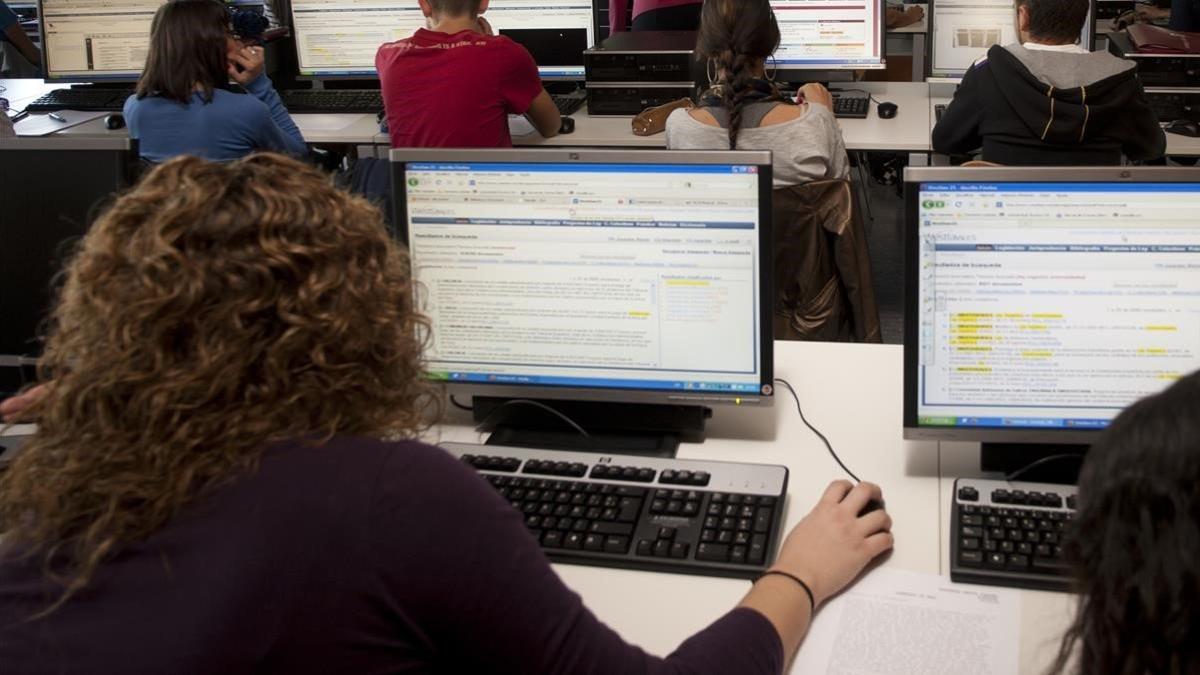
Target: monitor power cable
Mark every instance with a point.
(536, 404)
(813, 429)
(1077, 456)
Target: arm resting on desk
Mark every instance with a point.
(279, 132)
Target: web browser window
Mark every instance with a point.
(963, 31)
(827, 34)
(1054, 305)
(96, 39)
(341, 37)
(589, 275)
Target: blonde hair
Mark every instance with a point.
(211, 311)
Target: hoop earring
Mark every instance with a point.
(774, 69)
(710, 69)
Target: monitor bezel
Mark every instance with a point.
(913, 177)
(78, 79)
(762, 159)
(794, 72)
(955, 75)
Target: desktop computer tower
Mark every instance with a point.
(632, 71)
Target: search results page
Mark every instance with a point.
(1054, 305)
(97, 39)
(829, 33)
(621, 276)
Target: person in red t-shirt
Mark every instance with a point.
(454, 84)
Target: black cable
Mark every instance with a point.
(1038, 462)
(536, 404)
(454, 402)
(820, 435)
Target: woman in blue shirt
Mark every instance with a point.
(182, 106)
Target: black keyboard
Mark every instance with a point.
(939, 110)
(852, 106)
(332, 100)
(1009, 534)
(567, 104)
(96, 100)
(668, 515)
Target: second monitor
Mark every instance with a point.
(339, 38)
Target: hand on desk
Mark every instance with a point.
(13, 409)
(827, 550)
(816, 93)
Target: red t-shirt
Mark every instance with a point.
(455, 91)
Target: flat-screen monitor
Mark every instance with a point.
(829, 35)
(95, 40)
(339, 38)
(50, 189)
(1041, 302)
(961, 32)
(618, 276)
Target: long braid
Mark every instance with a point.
(738, 85)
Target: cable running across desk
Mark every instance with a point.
(813, 429)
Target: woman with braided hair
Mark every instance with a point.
(744, 109)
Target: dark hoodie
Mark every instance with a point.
(1031, 107)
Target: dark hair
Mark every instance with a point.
(1134, 546)
(1058, 21)
(455, 7)
(736, 35)
(187, 48)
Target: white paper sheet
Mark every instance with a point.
(44, 125)
(894, 622)
(323, 122)
(519, 125)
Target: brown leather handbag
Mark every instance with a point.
(654, 120)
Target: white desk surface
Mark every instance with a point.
(22, 91)
(357, 129)
(921, 26)
(853, 394)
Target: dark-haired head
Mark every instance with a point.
(736, 37)
(1135, 543)
(1054, 22)
(189, 47)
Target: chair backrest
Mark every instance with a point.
(50, 188)
(823, 284)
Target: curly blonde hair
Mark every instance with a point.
(211, 311)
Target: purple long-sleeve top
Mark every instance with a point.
(357, 556)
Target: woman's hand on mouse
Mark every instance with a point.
(831, 545)
(246, 65)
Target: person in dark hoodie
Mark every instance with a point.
(1049, 101)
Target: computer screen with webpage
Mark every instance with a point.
(643, 277)
(96, 40)
(1053, 305)
(339, 38)
(963, 31)
(829, 34)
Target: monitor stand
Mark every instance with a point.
(653, 430)
(1059, 462)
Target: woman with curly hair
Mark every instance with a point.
(1134, 546)
(225, 476)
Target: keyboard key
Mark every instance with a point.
(738, 555)
(1025, 548)
(574, 540)
(691, 509)
(1007, 547)
(971, 520)
(762, 520)
(1018, 561)
(996, 559)
(712, 552)
(667, 533)
(970, 544)
(645, 476)
(662, 548)
(593, 542)
(645, 547)
(611, 528)
(968, 494)
(708, 536)
(971, 558)
(630, 506)
(758, 549)
(974, 532)
(552, 539)
(725, 537)
(616, 544)
(679, 550)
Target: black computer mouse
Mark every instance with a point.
(114, 121)
(872, 505)
(1184, 128)
(887, 110)
(567, 126)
